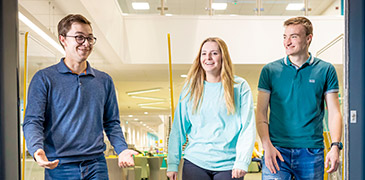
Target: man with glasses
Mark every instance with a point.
(295, 88)
(69, 106)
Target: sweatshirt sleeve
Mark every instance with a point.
(247, 136)
(111, 120)
(178, 134)
(34, 118)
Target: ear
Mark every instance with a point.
(62, 39)
(309, 38)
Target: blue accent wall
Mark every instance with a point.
(355, 32)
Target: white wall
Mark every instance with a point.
(251, 39)
(331, 10)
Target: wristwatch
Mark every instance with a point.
(338, 144)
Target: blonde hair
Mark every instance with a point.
(303, 21)
(196, 76)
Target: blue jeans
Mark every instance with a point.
(194, 172)
(299, 164)
(84, 170)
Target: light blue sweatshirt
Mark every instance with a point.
(217, 141)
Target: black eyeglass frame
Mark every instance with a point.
(84, 39)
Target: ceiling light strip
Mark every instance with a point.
(41, 33)
(140, 5)
(148, 98)
(151, 107)
(153, 103)
(143, 91)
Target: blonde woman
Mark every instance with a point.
(215, 112)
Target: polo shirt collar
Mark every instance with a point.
(309, 61)
(62, 68)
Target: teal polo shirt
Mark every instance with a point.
(297, 100)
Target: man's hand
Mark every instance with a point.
(270, 158)
(333, 158)
(238, 173)
(41, 158)
(125, 158)
(172, 175)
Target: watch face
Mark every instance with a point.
(338, 144)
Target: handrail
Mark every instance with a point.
(24, 94)
(330, 44)
(171, 84)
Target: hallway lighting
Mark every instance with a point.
(136, 119)
(145, 112)
(41, 33)
(140, 5)
(219, 6)
(148, 98)
(130, 115)
(143, 91)
(153, 103)
(295, 6)
(151, 107)
(184, 76)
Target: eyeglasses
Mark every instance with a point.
(81, 39)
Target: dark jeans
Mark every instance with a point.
(84, 170)
(194, 172)
(299, 164)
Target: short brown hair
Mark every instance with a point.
(65, 24)
(300, 20)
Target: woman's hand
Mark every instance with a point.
(238, 173)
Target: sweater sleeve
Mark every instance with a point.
(111, 120)
(247, 135)
(178, 134)
(34, 118)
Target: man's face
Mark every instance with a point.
(77, 51)
(296, 42)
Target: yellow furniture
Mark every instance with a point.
(156, 172)
(141, 161)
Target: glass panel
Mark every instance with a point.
(39, 56)
(335, 50)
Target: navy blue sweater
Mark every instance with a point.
(67, 113)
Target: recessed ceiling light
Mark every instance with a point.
(140, 5)
(219, 6)
(130, 115)
(140, 122)
(145, 112)
(295, 6)
(184, 76)
(168, 14)
(136, 119)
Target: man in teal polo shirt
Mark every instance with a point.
(295, 88)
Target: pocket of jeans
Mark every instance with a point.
(314, 151)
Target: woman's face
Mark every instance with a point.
(211, 58)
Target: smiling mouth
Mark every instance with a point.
(84, 50)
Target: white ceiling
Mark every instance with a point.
(132, 77)
(237, 7)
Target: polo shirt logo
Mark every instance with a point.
(312, 81)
